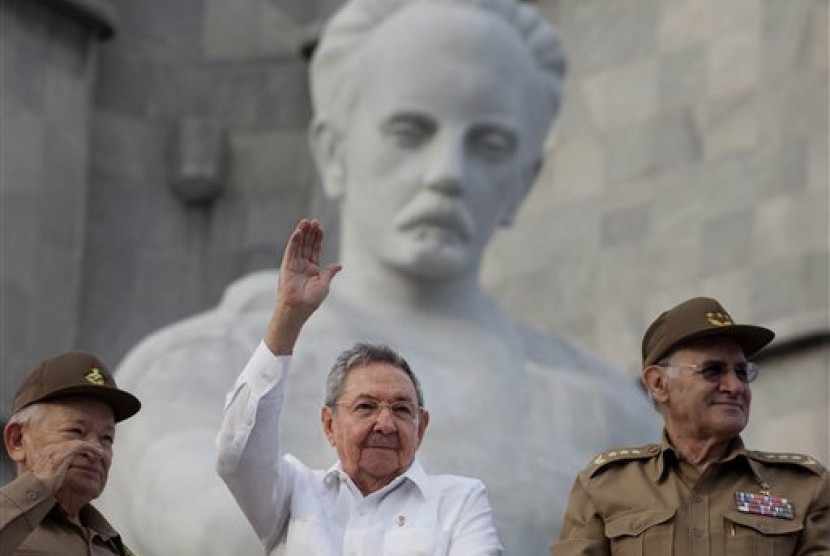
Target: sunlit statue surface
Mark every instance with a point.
(430, 118)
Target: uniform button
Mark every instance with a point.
(697, 533)
(697, 498)
(31, 494)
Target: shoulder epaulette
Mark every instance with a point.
(621, 454)
(801, 460)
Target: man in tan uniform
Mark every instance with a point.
(699, 491)
(60, 435)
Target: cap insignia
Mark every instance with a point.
(95, 377)
(719, 319)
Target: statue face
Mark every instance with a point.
(436, 154)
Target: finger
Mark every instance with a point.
(316, 242)
(294, 247)
(308, 239)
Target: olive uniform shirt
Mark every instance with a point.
(648, 500)
(32, 523)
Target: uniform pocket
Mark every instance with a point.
(643, 532)
(758, 534)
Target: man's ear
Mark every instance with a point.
(13, 438)
(327, 145)
(423, 423)
(655, 381)
(528, 175)
(327, 420)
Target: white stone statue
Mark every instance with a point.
(430, 118)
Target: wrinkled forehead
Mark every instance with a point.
(378, 381)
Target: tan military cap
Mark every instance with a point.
(696, 318)
(74, 373)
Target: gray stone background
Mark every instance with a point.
(691, 157)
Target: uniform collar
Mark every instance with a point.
(669, 456)
(91, 518)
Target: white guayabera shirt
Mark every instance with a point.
(300, 511)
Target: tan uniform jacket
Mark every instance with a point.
(31, 523)
(647, 501)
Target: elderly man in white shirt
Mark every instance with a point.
(377, 499)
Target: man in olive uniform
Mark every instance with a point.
(60, 435)
(699, 491)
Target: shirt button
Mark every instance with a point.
(697, 533)
(697, 498)
(31, 494)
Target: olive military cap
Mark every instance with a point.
(74, 373)
(694, 319)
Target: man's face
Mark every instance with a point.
(83, 419)
(437, 152)
(707, 409)
(374, 447)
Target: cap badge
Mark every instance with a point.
(719, 319)
(95, 377)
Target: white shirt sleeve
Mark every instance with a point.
(249, 459)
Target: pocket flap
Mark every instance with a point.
(764, 524)
(634, 523)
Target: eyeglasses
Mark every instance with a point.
(714, 371)
(365, 409)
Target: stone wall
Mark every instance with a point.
(49, 52)
(690, 158)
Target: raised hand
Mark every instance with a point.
(303, 286)
(51, 462)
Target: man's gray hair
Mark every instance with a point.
(336, 61)
(27, 415)
(360, 355)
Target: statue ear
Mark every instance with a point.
(528, 175)
(327, 148)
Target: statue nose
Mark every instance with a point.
(445, 168)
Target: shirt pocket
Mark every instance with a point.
(641, 532)
(759, 535)
(416, 541)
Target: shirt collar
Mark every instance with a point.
(414, 475)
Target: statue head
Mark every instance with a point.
(430, 120)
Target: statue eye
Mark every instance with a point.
(494, 143)
(409, 131)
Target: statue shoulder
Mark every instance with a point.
(235, 324)
(787, 459)
(620, 456)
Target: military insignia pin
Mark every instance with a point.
(763, 504)
(95, 377)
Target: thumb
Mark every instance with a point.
(329, 272)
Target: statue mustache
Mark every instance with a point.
(450, 215)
